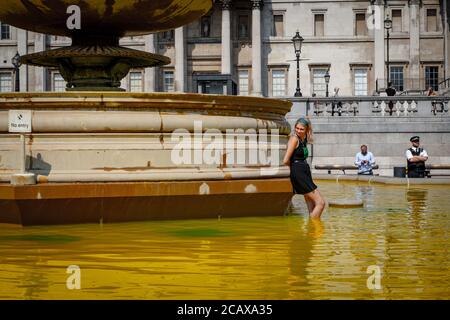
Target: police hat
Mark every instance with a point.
(415, 138)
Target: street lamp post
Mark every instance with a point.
(298, 40)
(16, 63)
(387, 26)
(327, 81)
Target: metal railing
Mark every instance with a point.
(444, 84)
(409, 85)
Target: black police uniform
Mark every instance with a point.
(416, 169)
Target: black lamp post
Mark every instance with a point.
(387, 26)
(298, 40)
(16, 63)
(327, 81)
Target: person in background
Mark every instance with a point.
(365, 161)
(434, 103)
(390, 91)
(337, 105)
(416, 158)
(431, 92)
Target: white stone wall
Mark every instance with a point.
(339, 47)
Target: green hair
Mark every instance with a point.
(303, 121)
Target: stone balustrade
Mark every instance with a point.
(380, 106)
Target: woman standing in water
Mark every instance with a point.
(301, 179)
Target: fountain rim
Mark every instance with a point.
(140, 100)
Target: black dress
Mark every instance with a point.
(301, 178)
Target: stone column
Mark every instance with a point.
(256, 48)
(379, 43)
(22, 48)
(40, 73)
(446, 40)
(226, 37)
(150, 73)
(180, 59)
(414, 40)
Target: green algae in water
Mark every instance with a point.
(51, 238)
(201, 232)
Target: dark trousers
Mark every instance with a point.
(416, 174)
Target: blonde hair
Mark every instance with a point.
(307, 124)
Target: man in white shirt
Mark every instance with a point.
(365, 161)
(416, 158)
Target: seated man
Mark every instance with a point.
(416, 158)
(365, 161)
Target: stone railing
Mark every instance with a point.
(379, 106)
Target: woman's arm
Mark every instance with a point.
(292, 144)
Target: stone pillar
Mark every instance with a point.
(446, 40)
(414, 40)
(256, 48)
(150, 73)
(180, 59)
(22, 48)
(379, 44)
(226, 37)
(40, 73)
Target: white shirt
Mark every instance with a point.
(362, 168)
(409, 154)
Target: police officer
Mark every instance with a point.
(416, 158)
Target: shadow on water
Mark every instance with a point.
(41, 238)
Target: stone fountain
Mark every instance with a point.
(100, 155)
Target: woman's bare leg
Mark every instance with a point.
(309, 204)
(319, 203)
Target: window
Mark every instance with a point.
(58, 82)
(169, 83)
(136, 81)
(5, 31)
(278, 25)
(432, 20)
(243, 82)
(243, 24)
(360, 24)
(360, 82)
(319, 85)
(396, 77)
(6, 82)
(319, 25)
(206, 26)
(278, 83)
(397, 20)
(432, 77)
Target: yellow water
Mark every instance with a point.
(403, 232)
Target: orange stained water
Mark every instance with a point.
(402, 233)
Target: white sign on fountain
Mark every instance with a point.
(19, 121)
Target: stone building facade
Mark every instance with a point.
(250, 42)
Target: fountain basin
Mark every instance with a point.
(118, 18)
(113, 157)
(95, 61)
